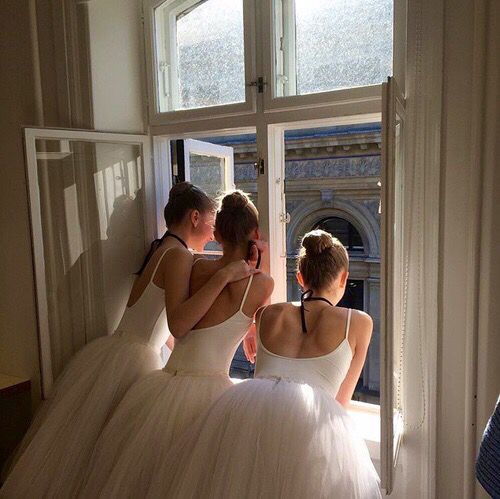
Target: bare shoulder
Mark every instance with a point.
(277, 311)
(175, 256)
(361, 325)
(201, 264)
(362, 319)
(265, 281)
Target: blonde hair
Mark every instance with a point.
(321, 259)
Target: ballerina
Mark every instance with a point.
(54, 455)
(159, 407)
(286, 433)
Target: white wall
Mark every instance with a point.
(117, 62)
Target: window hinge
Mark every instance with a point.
(259, 83)
(285, 218)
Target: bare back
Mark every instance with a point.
(280, 329)
(229, 300)
(146, 276)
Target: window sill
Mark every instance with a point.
(367, 420)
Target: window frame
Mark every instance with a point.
(394, 247)
(202, 148)
(269, 119)
(151, 219)
(156, 116)
(274, 102)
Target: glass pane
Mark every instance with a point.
(207, 172)
(91, 197)
(344, 231)
(333, 44)
(200, 63)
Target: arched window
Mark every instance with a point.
(344, 231)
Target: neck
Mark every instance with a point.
(331, 294)
(233, 253)
(183, 232)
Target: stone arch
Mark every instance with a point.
(307, 214)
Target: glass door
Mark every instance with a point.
(93, 216)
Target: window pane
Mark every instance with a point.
(344, 231)
(91, 201)
(207, 172)
(333, 44)
(201, 63)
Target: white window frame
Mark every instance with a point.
(151, 219)
(273, 98)
(151, 33)
(269, 119)
(201, 148)
(393, 247)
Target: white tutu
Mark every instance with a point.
(159, 408)
(55, 453)
(269, 439)
(155, 411)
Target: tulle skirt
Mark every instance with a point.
(147, 423)
(54, 455)
(269, 439)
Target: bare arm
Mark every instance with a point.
(183, 311)
(361, 332)
(250, 340)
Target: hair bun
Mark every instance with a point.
(317, 241)
(180, 189)
(235, 200)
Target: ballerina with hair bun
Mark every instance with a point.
(56, 451)
(286, 433)
(162, 405)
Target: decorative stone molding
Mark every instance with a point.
(308, 213)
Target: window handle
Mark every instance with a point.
(165, 69)
(260, 83)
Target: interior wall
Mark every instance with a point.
(468, 372)
(117, 64)
(18, 104)
(45, 82)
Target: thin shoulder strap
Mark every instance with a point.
(260, 318)
(159, 262)
(246, 292)
(348, 323)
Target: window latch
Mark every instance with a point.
(259, 83)
(259, 166)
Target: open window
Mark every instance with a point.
(393, 278)
(209, 166)
(93, 216)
